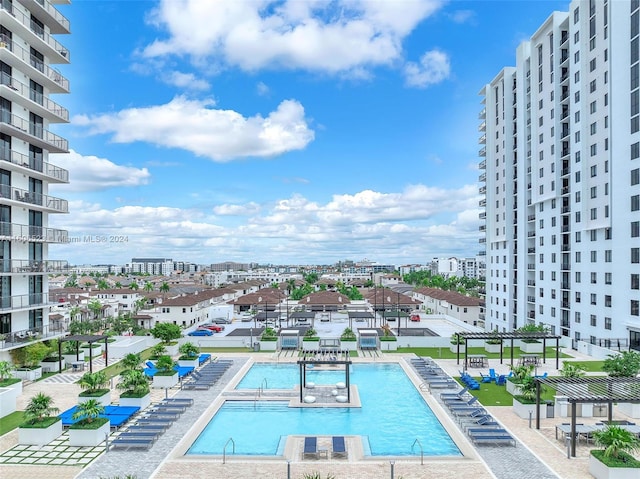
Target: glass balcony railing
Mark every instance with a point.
(57, 205)
(30, 266)
(30, 233)
(53, 172)
(35, 96)
(36, 130)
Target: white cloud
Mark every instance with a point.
(263, 89)
(187, 81)
(462, 16)
(433, 68)
(409, 225)
(90, 173)
(196, 126)
(339, 36)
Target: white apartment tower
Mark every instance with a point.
(28, 51)
(560, 141)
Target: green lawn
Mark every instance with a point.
(445, 353)
(10, 422)
(590, 366)
(491, 395)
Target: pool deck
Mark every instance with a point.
(538, 454)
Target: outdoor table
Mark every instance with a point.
(77, 365)
(581, 429)
(477, 360)
(529, 359)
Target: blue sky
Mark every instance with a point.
(283, 132)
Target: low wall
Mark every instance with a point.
(596, 352)
(433, 342)
(129, 344)
(7, 402)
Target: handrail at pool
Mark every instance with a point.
(417, 441)
(224, 450)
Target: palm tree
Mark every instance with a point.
(164, 288)
(118, 285)
(616, 440)
(131, 361)
(73, 312)
(102, 284)
(96, 307)
(148, 286)
(134, 382)
(87, 411)
(133, 286)
(92, 382)
(39, 408)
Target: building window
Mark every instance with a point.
(577, 316)
(593, 320)
(594, 277)
(607, 300)
(635, 229)
(607, 256)
(635, 255)
(593, 299)
(607, 278)
(635, 306)
(635, 203)
(594, 256)
(607, 323)
(635, 281)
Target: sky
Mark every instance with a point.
(281, 132)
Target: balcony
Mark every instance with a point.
(566, 247)
(482, 203)
(566, 209)
(564, 285)
(482, 190)
(531, 217)
(482, 126)
(33, 133)
(482, 215)
(482, 240)
(482, 228)
(565, 190)
(531, 314)
(27, 233)
(16, 91)
(531, 250)
(531, 299)
(531, 234)
(565, 304)
(531, 266)
(24, 301)
(37, 168)
(566, 228)
(482, 253)
(17, 57)
(44, 202)
(482, 178)
(483, 114)
(23, 266)
(18, 21)
(531, 282)
(483, 165)
(482, 152)
(482, 140)
(48, 14)
(565, 266)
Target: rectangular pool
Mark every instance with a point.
(393, 415)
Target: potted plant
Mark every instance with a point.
(158, 350)
(613, 461)
(131, 361)
(493, 344)
(52, 361)
(517, 378)
(189, 353)
(457, 342)
(166, 376)
(90, 429)
(268, 339)
(29, 358)
(348, 340)
(531, 345)
(3, 338)
(96, 349)
(571, 371)
(40, 426)
(7, 380)
(94, 386)
(168, 333)
(135, 386)
(71, 352)
(389, 340)
(524, 404)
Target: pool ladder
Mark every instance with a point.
(417, 441)
(224, 450)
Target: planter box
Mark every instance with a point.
(492, 348)
(15, 388)
(531, 348)
(28, 374)
(165, 381)
(454, 348)
(513, 388)
(38, 436)
(51, 366)
(190, 363)
(268, 345)
(310, 345)
(172, 349)
(598, 470)
(105, 399)
(142, 402)
(631, 410)
(95, 351)
(388, 345)
(71, 358)
(89, 437)
(7, 402)
(523, 410)
(349, 345)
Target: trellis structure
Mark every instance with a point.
(84, 338)
(320, 357)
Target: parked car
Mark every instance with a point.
(246, 317)
(201, 332)
(216, 328)
(415, 317)
(222, 321)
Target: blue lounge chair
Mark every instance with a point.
(501, 380)
(338, 447)
(310, 447)
(492, 374)
(485, 379)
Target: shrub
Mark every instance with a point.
(39, 408)
(348, 335)
(167, 332)
(189, 350)
(93, 382)
(134, 383)
(616, 440)
(165, 365)
(624, 365)
(570, 370)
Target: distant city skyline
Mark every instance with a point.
(348, 131)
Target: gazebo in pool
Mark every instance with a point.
(84, 338)
(510, 337)
(316, 358)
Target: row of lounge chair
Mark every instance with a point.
(479, 425)
(338, 448)
(469, 381)
(432, 374)
(207, 376)
(151, 424)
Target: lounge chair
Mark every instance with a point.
(501, 380)
(457, 395)
(338, 447)
(460, 402)
(310, 447)
(492, 374)
(132, 443)
(485, 379)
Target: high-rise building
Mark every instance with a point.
(28, 51)
(560, 141)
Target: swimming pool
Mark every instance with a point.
(393, 415)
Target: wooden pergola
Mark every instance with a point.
(509, 337)
(84, 338)
(591, 389)
(320, 357)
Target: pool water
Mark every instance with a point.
(393, 415)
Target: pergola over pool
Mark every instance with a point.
(321, 357)
(509, 336)
(589, 390)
